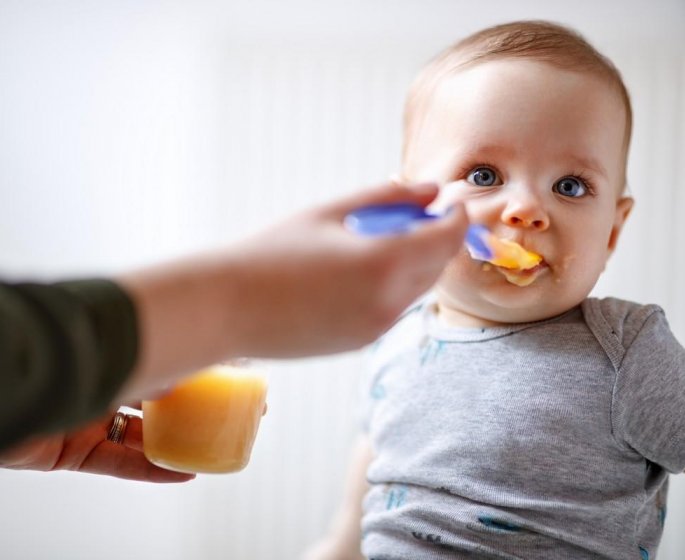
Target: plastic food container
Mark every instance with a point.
(207, 423)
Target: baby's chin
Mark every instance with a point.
(480, 294)
(492, 309)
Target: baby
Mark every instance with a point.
(509, 415)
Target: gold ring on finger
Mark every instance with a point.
(118, 428)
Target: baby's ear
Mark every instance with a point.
(624, 205)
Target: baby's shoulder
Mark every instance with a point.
(618, 313)
(620, 309)
(616, 323)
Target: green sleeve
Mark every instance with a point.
(65, 351)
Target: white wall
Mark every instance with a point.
(134, 131)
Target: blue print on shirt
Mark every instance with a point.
(377, 391)
(431, 350)
(396, 497)
(377, 388)
(498, 524)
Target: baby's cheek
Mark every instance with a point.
(455, 272)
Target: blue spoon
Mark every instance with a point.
(403, 217)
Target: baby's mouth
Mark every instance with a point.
(517, 264)
(523, 277)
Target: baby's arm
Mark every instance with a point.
(342, 542)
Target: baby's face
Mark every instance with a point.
(537, 155)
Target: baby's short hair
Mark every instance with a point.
(540, 41)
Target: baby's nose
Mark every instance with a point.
(540, 224)
(526, 213)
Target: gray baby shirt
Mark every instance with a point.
(546, 440)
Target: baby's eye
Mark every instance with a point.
(571, 187)
(483, 177)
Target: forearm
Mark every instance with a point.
(189, 316)
(305, 287)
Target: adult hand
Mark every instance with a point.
(88, 450)
(314, 287)
(304, 287)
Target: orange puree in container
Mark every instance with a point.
(206, 423)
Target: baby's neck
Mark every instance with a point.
(451, 317)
